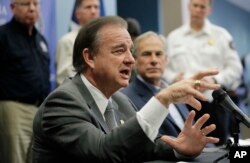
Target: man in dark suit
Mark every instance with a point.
(151, 59)
(72, 124)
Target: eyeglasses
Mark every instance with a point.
(27, 4)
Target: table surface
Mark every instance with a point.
(209, 155)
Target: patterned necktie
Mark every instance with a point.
(110, 116)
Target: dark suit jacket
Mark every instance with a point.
(69, 127)
(140, 94)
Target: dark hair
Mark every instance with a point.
(134, 27)
(88, 38)
(210, 2)
(78, 3)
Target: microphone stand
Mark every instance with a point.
(235, 133)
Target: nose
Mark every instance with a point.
(33, 5)
(154, 57)
(129, 58)
(94, 10)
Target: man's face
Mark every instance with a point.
(26, 11)
(88, 10)
(199, 10)
(151, 59)
(113, 61)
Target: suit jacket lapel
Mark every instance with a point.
(143, 90)
(93, 108)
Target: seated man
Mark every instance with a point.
(150, 62)
(86, 120)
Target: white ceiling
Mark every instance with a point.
(244, 4)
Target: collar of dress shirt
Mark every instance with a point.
(206, 29)
(100, 99)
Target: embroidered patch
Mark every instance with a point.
(231, 45)
(44, 47)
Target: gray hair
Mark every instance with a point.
(146, 35)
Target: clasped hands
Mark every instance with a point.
(192, 139)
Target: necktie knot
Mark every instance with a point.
(110, 116)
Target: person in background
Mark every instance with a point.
(86, 119)
(150, 62)
(24, 71)
(86, 10)
(197, 45)
(134, 27)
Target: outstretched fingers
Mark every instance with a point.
(201, 121)
(203, 85)
(169, 140)
(212, 140)
(207, 72)
(193, 96)
(206, 130)
(189, 121)
(194, 103)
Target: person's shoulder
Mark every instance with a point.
(68, 89)
(70, 36)
(219, 30)
(4, 28)
(177, 32)
(124, 100)
(119, 94)
(129, 89)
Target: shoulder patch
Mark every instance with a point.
(231, 45)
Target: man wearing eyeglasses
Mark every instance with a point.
(24, 81)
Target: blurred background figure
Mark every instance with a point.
(24, 71)
(197, 45)
(150, 62)
(134, 27)
(85, 10)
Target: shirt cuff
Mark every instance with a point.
(151, 116)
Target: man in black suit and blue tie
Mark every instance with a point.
(150, 63)
(71, 125)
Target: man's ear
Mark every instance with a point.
(209, 12)
(12, 6)
(166, 59)
(88, 57)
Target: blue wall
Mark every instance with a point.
(145, 11)
(236, 21)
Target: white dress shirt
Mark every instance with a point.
(64, 55)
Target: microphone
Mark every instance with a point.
(222, 98)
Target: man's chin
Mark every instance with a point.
(125, 83)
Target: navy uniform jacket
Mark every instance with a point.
(24, 64)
